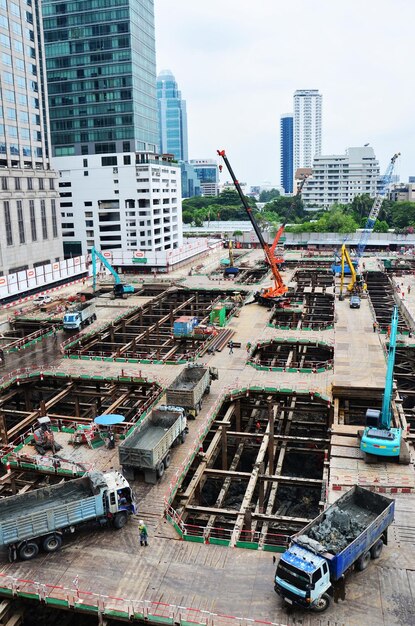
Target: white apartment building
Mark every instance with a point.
(341, 177)
(128, 201)
(307, 126)
(30, 236)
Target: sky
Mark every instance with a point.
(238, 63)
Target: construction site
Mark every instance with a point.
(266, 397)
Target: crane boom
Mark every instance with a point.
(387, 396)
(279, 288)
(377, 205)
(94, 255)
(378, 437)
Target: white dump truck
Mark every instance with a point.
(79, 316)
(148, 447)
(39, 519)
(188, 389)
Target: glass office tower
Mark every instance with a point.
(101, 73)
(172, 117)
(287, 152)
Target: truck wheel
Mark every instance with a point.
(363, 561)
(207, 390)
(376, 550)
(52, 543)
(120, 520)
(160, 470)
(183, 436)
(167, 461)
(28, 551)
(322, 604)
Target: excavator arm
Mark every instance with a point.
(279, 288)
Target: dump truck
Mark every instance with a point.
(188, 389)
(79, 316)
(348, 534)
(148, 447)
(39, 519)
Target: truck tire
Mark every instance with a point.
(160, 469)
(183, 436)
(28, 551)
(363, 561)
(376, 550)
(207, 390)
(52, 543)
(120, 520)
(322, 604)
(167, 460)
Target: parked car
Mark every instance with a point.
(42, 300)
(354, 302)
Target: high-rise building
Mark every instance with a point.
(287, 152)
(29, 201)
(101, 72)
(208, 173)
(338, 178)
(172, 117)
(307, 127)
(190, 181)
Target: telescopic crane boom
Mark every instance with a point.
(378, 437)
(275, 293)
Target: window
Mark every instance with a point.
(4, 185)
(8, 223)
(17, 184)
(51, 183)
(105, 161)
(20, 221)
(30, 183)
(84, 149)
(54, 220)
(127, 159)
(85, 162)
(43, 219)
(33, 220)
(86, 173)
(41, 183)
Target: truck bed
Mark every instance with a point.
(373, 511)
(44, 510)
(188, 388)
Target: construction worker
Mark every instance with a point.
(230, 345)
(44, 439)
(143, 533)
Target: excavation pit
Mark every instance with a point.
(280, 355)
(256, 479)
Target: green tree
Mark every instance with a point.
(267, 196)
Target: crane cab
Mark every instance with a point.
(377, 440)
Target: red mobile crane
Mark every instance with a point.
(275, 294)
(278, 259)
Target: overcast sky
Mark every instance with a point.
(238, 63)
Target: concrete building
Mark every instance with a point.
(172, 117)
(287, 152)
(341, 177)
(208, 173)
(307, 126)
(132, 206)
(101, 72)
(29, 201)
(403, 192)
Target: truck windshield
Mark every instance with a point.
(292, 575)
(69, 318)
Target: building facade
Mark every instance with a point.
(126, 201)
(208, 174)
(101, 71)
(172, 117)
(190, 181)
(307, 126)
(287, 152)
(338, 178)
(29, 200)
(402, 192)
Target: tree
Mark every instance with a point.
(267, 196)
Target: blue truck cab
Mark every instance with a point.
(309, 571)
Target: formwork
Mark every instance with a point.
(261, 473)
(146, 333)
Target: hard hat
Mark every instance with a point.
(141, 521)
